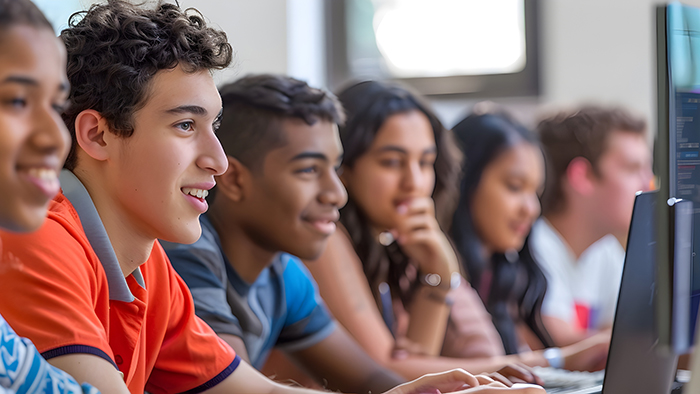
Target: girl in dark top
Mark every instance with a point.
(503, 174)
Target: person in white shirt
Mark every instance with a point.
(596, 160)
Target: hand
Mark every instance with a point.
(589, 354)
(518, 373)
(463, 382)
(422, 240)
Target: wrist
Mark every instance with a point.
(435, 295)
(554, 357)
(439, 282)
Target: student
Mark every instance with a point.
(278, 201)
(108, 308)
(396, 154)
(33, 144)
(597, 159)
(503, 176)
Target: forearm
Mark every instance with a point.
(429, 312)
(415, 366)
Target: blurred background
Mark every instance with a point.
(531, 56)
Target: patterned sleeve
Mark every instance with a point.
(308, 320)
(203, 269)
(24, 371)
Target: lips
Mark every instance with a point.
(324, 224)
(43, 178)
(196, 194)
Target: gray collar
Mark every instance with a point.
(96, 234)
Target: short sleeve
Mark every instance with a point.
(191, 357)
(308, 320)
(24, 371)
(203, 269)
(52, 279)
(558, 300)
(611, 279)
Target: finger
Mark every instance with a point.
(419, 205)
(445, 382)
(518, 372)
(408, 223)
(500, 378)
(484, 379)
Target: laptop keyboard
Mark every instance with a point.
(560, 381)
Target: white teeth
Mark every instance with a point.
(45, 174)
(199, 193)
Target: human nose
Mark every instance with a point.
(531, 205)
(212, 157)
(413, 177)
(50, 132)
(333, 192)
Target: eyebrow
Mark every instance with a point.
(192, 109)
(22, 80)
(395, 148)
(309, 155)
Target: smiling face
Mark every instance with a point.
(34, 140)
(291, 204)
(506, 203)
(157, 176)
(397, 167)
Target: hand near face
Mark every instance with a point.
(420, 237)
(459, 381)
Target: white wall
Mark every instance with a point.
(591, 51)
(257, 29)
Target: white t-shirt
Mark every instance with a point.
(582, 292)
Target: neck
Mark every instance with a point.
(576, 228)
(131, 246)
(246, 256)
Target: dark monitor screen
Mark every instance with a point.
(677, 162)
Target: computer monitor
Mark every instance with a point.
(677, 162)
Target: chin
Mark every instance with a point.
(30, 221)
(311, 253)
(184, 237)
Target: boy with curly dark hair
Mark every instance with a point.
(105, 305)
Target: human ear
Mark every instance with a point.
(233, 183)
(580, 175)
(90, 130)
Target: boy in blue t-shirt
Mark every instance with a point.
(279, 199)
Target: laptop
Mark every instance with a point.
(634, 363)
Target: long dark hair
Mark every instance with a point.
(368, 105)
(516, 285)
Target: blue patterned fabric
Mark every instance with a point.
(24, 371)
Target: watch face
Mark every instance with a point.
(433, 280)
(455, 280)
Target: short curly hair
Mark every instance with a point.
(115, 50)
(254, 107)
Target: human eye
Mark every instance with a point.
(390, 162)
(427, 163)
(310, 170)
(16, 102)
(514, 186)
(185, 126)
(60, 107)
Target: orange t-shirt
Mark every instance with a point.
(56, 292)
